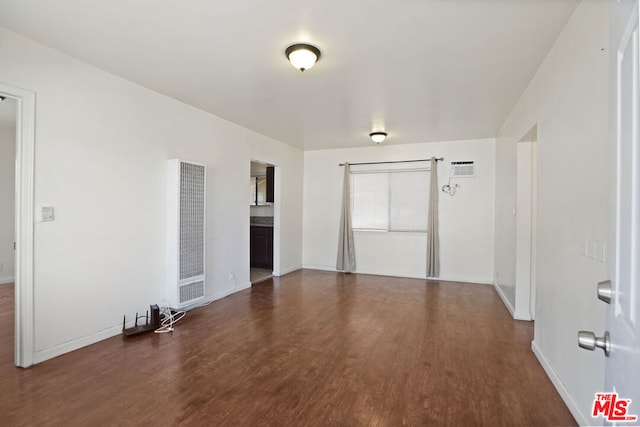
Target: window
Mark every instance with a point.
(390, 200)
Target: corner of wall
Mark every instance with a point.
(564, 392)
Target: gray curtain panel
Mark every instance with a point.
(433, 241)
(346, 249)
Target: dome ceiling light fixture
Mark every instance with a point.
(377, 137)
(302, 56)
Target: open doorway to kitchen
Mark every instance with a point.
(262, 201)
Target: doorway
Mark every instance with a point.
(526, 225)
(24, 220)
(261, 221)
(7, 226)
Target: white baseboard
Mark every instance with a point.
(50, 353)
(318, 267)
(225, 293)
(505, 300)
(465, 279)
(6, 280)
(239, 288)
(518, 315)
(392, 274)
(562, 390)
(515, 314)
(286, 271)
(408, 275)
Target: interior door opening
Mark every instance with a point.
(25, 107)
(262, 203)
(526, 226)
(7, 227)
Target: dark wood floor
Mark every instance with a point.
(311, 348)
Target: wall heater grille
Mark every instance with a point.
(185, 233)
(191, 220)
(191, 291)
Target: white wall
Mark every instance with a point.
(568, 100)
(523, 230)
(466, 220)
(505, 221)
(7, 201)
(101, 149)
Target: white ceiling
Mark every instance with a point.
(423, 70)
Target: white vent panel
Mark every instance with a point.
(190, 292)
(186, 223)
(462, 169)
(191, 220)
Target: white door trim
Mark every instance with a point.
(277, 227)
(522, 305)
(24, 220)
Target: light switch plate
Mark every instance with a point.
(591, 248)
(583, 246)
(599, 249)
(47, 213)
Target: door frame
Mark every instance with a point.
(277, 206)
(24, 221)
(526, 226)
(524, 217)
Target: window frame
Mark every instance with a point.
(388, 171)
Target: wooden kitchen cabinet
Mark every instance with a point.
(270, 184)
(261, 250)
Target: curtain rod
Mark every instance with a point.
(439, 159)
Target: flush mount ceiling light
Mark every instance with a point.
(378, 137)
(302, 56)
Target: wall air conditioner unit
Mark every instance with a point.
(185, 233)
(462, 170)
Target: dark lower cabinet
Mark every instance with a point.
(261, 242)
